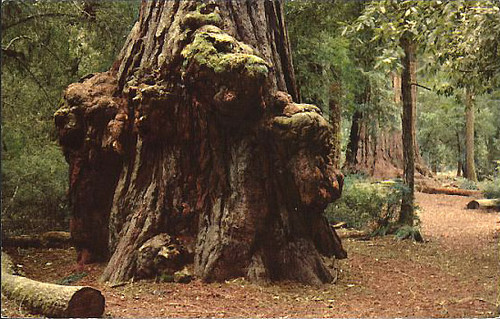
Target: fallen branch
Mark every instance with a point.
(484, 203)
(52, 239)
(50, 299)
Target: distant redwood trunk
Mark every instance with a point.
(212, 154)
(376, 149)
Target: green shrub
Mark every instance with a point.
(364, 204)
(464, 183)
(409, 232)
(34, 186)
(491, 188)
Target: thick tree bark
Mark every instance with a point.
(50, 299)
(470, 167)
(94, 166)
(408, 93)
(211, 150)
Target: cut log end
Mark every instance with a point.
(473, 205)
(86, 302)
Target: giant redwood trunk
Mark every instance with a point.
(191, 150)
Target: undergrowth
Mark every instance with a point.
(371, 206)
(491, 188)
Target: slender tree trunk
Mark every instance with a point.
(459, 156)
(216, 159)
(408, 92)
(470, 172)
(336, 122)
(420, 165)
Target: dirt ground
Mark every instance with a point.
(454, 273)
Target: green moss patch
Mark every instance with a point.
(214, 49)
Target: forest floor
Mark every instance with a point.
(454, 273)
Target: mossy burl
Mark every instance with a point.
(196, 19)
(213, 48)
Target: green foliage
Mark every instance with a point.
(337, 69)
(441, 133)
(47, 45)
(465, 183)
(326, 69)
(368, 205)
(409, 232)
(34, 184)
(441, 129)
(464, 42)
(73, 278)
(491, 188)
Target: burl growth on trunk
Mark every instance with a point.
(189, 152)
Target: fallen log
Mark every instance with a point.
(51, 239)
(448, 191)
(50, 300)
(484, 203)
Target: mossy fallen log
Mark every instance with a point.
(448, 191)
(484, 203)
(50, 299)
(51, 239)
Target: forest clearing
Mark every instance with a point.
(234, 158)
(454, 273)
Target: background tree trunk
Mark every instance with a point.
(353, 144)
(459, 156)
(470, 167)
(212, 151)
(408, 92)
(375, 149)
(336, 122)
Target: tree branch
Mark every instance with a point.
(14, 40)
(34, 78)
(41, 15)
(423, 87)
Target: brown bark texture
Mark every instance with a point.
(50, 299)
(470, 166)
(377, 154)
(201, 145)
(409, 95)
